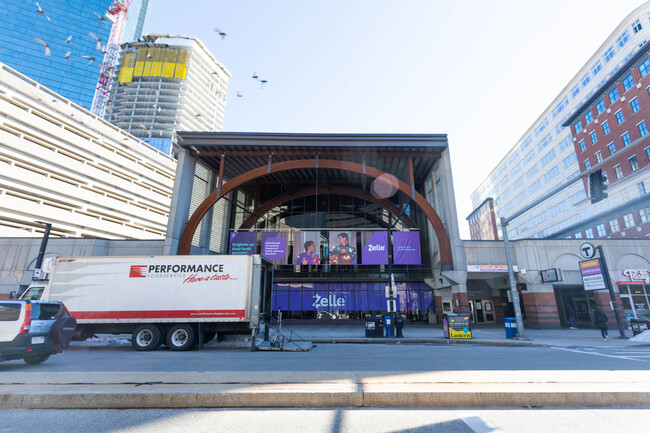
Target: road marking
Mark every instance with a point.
(589, 352)
(477, 423)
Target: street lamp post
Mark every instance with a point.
(41, 251)
(513, 284)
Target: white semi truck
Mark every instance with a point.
(176, 300)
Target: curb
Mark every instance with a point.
(274, 399)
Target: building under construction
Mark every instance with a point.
(166, 84)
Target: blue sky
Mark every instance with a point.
(480, 71)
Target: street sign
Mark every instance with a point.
(391, 306)
(587, 250)
(592, 275)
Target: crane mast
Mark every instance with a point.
(117, 14)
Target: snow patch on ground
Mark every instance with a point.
(643, 337)
(103, 340)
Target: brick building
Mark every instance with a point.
(482, 222)
(610, 133)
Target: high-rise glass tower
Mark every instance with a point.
(73, 76)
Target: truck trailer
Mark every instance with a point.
(179, 301)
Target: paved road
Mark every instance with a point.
(327, 420)
(346, 357)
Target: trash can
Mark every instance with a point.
(374, 327)
(387, 325)
(511, 327)
(639, 325)
(456, 326)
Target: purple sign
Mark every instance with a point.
(243, 243)
(334, 297)
(406, 248)
(375, 250)
(274, 247)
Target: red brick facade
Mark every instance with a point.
(541, 311)
(639, 92)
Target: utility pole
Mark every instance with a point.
(41, 251)
(521, 334)
(608, 284)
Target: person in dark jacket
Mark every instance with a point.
(600, 320)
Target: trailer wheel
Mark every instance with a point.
(146, 337)
(180, 337)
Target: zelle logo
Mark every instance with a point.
(138, 272)
(377, 247)
(331, 301)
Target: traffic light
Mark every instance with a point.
(597, 186)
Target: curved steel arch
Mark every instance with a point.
(321, 164)
(307, 192)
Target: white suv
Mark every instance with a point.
(33, 331)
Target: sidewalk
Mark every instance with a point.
(482, 334)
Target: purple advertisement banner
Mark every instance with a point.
(406, 248)
(375, 250)
(336, 297)
(274, 247)
(243, 243)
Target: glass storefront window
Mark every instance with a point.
(636, 302)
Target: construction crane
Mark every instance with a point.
(117, 13)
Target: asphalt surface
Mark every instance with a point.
(345, 357)
(343, 420)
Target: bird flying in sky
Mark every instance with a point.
(47, 47)
(42, 12)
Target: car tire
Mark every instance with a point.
(180, 337)
(63, 330)
(146, 337)
(36, 359)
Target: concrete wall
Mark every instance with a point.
(18, 255)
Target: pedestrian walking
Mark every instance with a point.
(600, 320)
(571, 313)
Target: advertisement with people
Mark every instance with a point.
(307, 248)
(342, 248)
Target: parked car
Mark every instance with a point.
(33, 331)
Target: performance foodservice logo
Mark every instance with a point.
(138, 272)
(166, 271)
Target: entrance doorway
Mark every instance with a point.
(481, 311)
(575, 299)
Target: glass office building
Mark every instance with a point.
(74, 77)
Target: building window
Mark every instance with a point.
(586, 79)
(599, 156)
(628, 82)
(589, 233)
(634, 103)
(600, 228)
(606, 128)
(644, 68)
(594, 138)
(582, 146)
(636, 26)
(587, 164)
(612, 148)
(618, 172)
(622, 40)
(578, 126)
(613, 95)
(628, 220)
(647, 153)
(596, 68)
(613, 225)
(644, 214)
(626, 139)
(600, 106)
(634, 166)
(609, 54)
(575, 91)
(589, 117)
(641, 186)
(578, 235)
(643, 129)
(619, 117)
